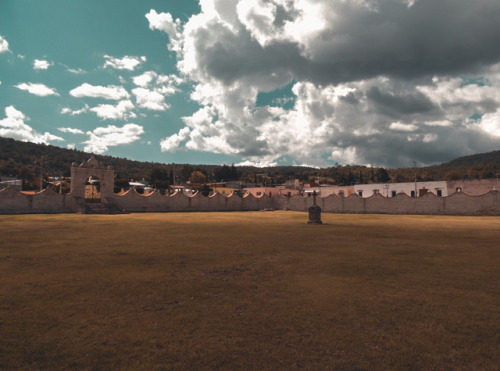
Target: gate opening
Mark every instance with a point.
(93, 190)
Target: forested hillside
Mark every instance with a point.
(29, 160)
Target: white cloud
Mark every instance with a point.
(101, 138)
(128, 63)
(171, 144)
(432, 137)
(150, 99)
(167, 84)
(145, 79)
(40, 64)
(111, 92)
(443, 123)
(490, 123)
(154, 88)
(258, 17)
(71, 146)
(121, 111)
(71, 130)
(37, 89)
(4, 45)
(400, 126)
(69, 111)
(164, 22)
(14, 126)
(76, 71)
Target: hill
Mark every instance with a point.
(478, 166)
(28, 160)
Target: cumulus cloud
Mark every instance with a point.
(101, 138)
(150, 99)
(71, 112)
(111, 92)
(172, 143)
(40, 64)
(4, 45)
(128, 63)
(154, 88)
(71, 130)
(121, 111)
(166, 84)
(399, 126)
(164, 22)
(384, 82)
(37, 89)
(14, 126)
(490, 123)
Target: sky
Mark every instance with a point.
(388, 83)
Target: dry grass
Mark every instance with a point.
(249, 291)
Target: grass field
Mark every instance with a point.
(254, 290)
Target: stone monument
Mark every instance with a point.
(314, 212)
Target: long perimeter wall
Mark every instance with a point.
(47, 201)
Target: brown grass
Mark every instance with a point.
(254, 290)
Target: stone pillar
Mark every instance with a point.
(314, 215)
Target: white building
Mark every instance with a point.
(412, 189)
(439, 188)
(12, 182)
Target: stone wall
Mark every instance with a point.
(47, 201)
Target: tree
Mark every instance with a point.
(226, 173)
(159, 177)
(158, 173)
(171, 176)
(350, 178)
(205, 190)
(382, 176)
(197, 177)
(121, 183)
(186, 172)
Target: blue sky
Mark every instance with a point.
(274, 82)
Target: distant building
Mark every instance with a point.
(12, 182)
(328, 190)
(293, 184)
(412, 189)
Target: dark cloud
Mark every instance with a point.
(396, 151)
(375, 82)
(431, 37)
(397, 105)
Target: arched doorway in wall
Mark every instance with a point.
(93, 190)
(92, 182)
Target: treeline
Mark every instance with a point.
(31, 162)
